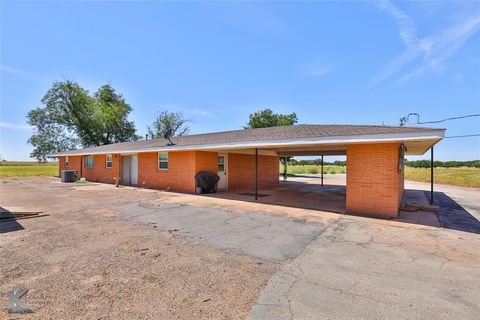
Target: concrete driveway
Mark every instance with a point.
(339, 266)
(364, 270)
(267, 236)
(210, 258)
(371, 269)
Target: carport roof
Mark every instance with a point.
(281, 139)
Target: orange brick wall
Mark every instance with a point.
(374, 185)
(241, 171)
(73, 164)
(99, 172)
(182, 167)
(180, 175)
(206, 161)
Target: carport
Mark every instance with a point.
(374, 183)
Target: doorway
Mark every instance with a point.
(223, 171)
(130, 170)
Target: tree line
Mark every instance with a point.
(70, 117)
(316, 162)
(413, 164)
(443, 164)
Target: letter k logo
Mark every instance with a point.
(15, 305)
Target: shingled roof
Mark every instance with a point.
(250, 136)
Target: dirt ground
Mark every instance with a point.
(128, 253)
(82, 262)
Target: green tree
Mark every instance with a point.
(111, 117)
(168, 120)
(70, 118)
(267, 118)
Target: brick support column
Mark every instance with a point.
(374, 183)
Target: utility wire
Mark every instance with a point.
(406, 119)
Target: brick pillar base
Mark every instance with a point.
(374, 183)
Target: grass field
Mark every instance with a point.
(312, 169)
(11, 169)
(466, 177)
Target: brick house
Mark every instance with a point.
(248, 159)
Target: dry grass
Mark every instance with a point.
(312, 169)
(465, 177)
(11, 169)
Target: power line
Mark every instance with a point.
(406, 119)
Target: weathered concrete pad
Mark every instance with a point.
(267, 236)
(363, 270)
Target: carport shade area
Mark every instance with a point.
(247, 162)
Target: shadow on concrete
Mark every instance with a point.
(453, 216)
(295, 194)
(306, 194)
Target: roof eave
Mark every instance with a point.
(433, 135)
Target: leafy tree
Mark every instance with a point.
(267, 118)
(111, 117)
(168, 120)
(70, 118)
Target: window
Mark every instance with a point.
(89, 162)
(221, 163)
(66, 162)
(109, 161)
(162, 161)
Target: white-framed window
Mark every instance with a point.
(108, 161)
(221, 163)
(162, 161)
(89, 162)
(66, 162)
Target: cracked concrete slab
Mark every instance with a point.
(364, 270)
(271, 237)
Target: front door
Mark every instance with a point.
(126, 170)
(129, 170)
(222, 171)
(134, 170)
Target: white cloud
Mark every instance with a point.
(203, 113)
(15, 126)
(426, 53)
(252, 15)
(188, 111)
(458, 77)
(21, 73)
(316, 68)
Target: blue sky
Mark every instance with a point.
(217, 62)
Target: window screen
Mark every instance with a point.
(109, 161)
(89, 162)
(162, 161)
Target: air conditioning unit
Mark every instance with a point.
(68, 175)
